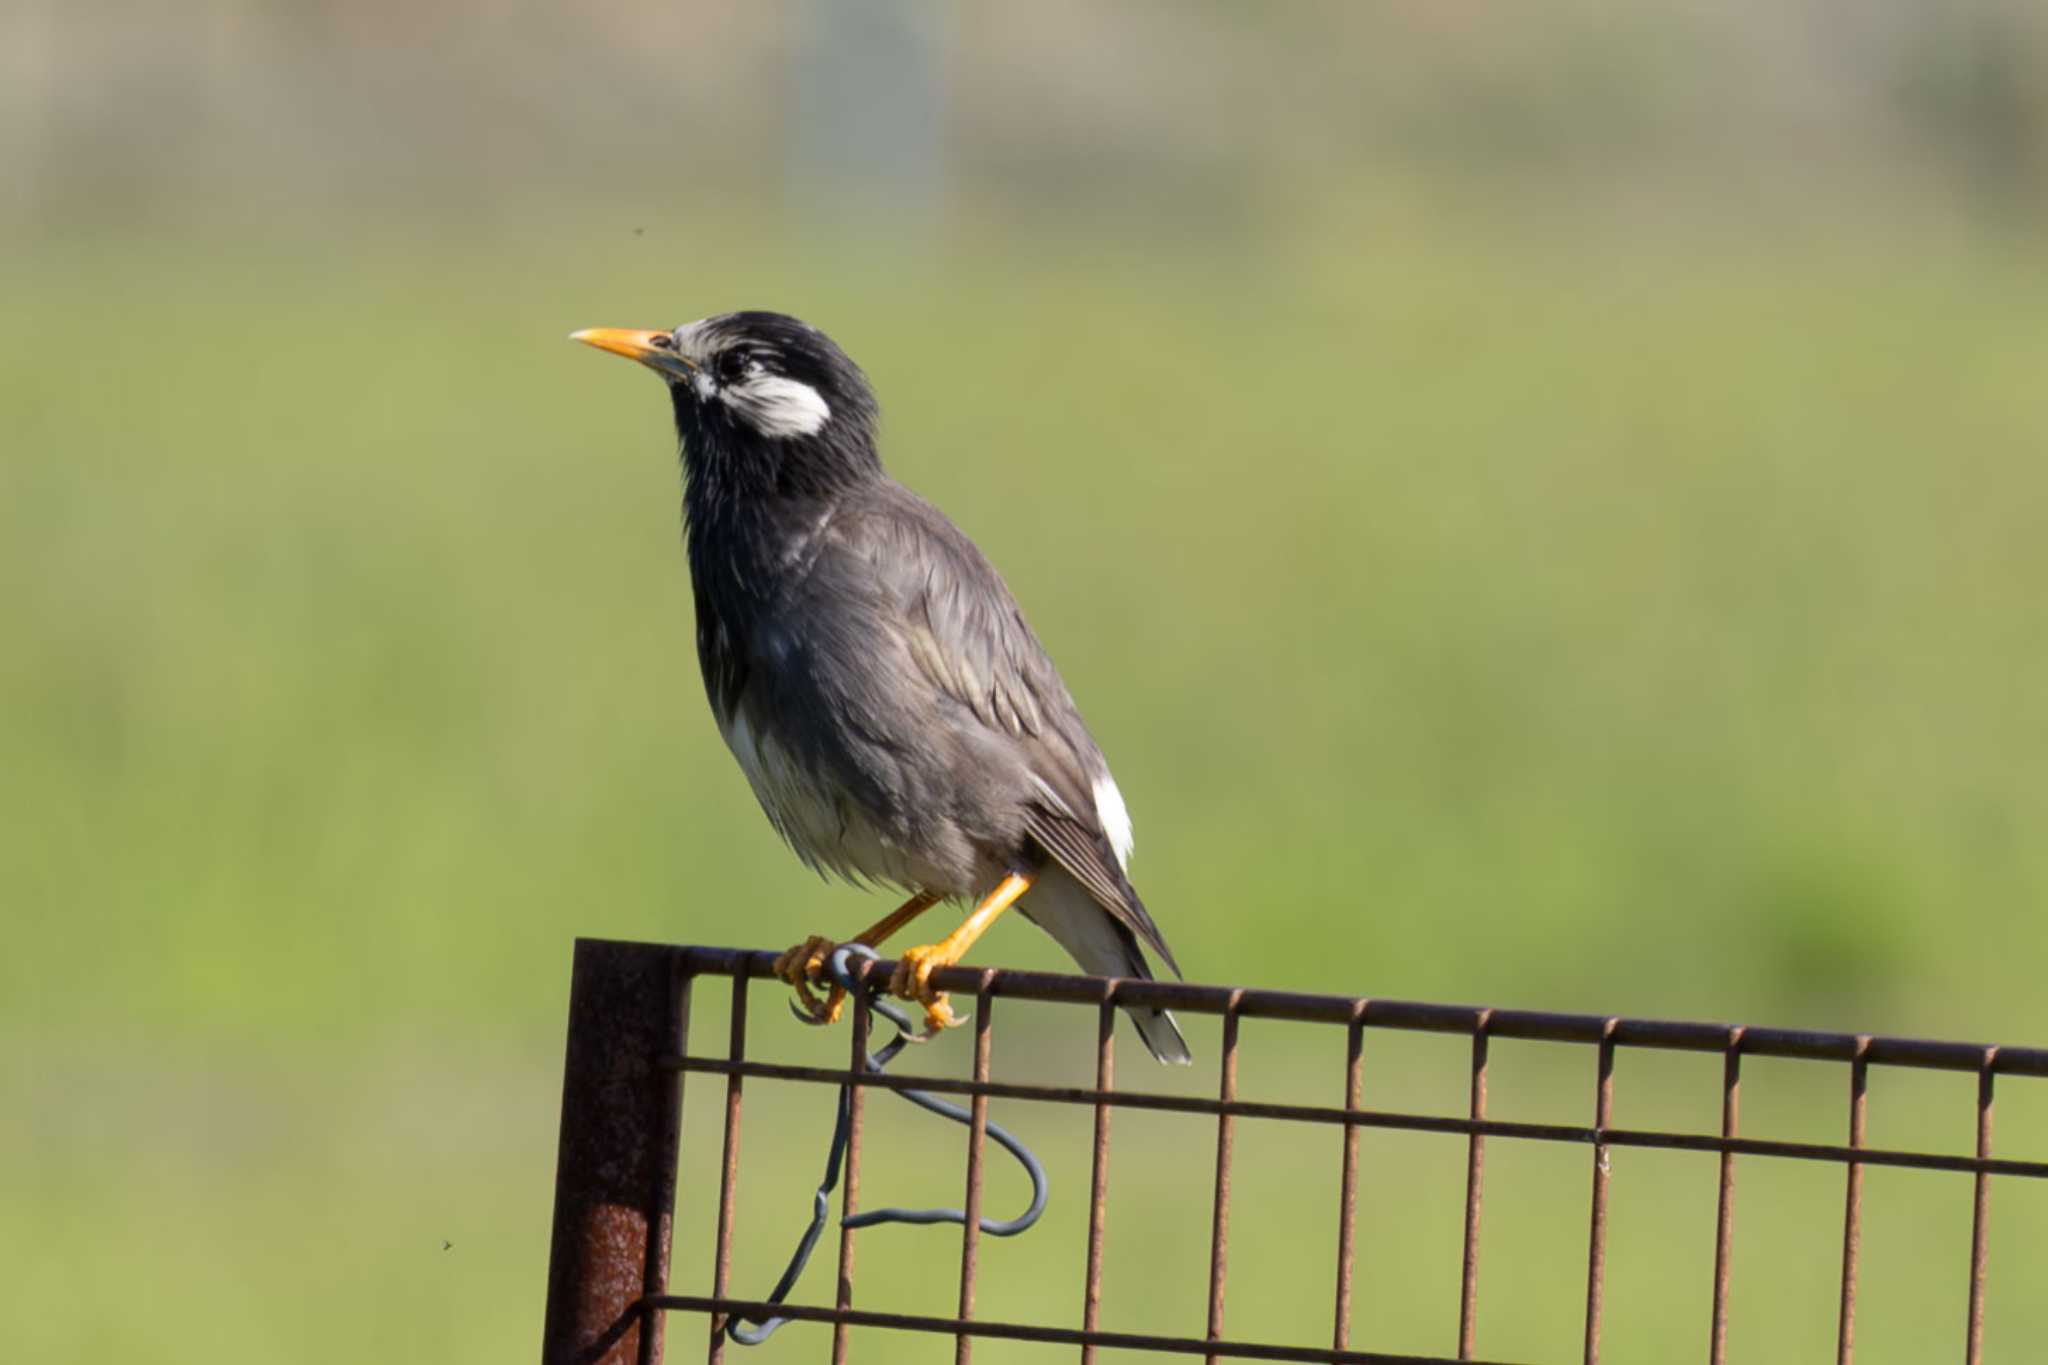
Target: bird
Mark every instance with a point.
(894, 713)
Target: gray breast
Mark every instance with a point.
(831, 831)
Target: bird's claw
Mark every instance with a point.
(912, 981)
(798, 968)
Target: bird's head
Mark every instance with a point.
(762, 392)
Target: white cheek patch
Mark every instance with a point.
(1115, 818)
(776, 406)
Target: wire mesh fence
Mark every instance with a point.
(629, 1054)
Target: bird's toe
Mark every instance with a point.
(804, 964)
(938, 1014)
(911, 980)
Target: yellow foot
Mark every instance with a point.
(912, 981)
(804, 964)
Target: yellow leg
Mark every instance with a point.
(805, 963)
(912, 977)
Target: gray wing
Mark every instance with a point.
(966, 635)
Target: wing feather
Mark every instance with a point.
(965, 633)
(1081, 852)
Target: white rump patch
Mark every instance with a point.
(1115, 818)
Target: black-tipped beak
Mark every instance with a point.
(655, 350)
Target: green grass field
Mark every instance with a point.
(1560, 626)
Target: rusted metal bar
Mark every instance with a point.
(1219, 1224)
(1852, 1215)
(1475, 1193)
(856, 1103)
(1415, 1016)
(1980, 1213)
(1098, 1180)
(1055, 1336)
(1372, 1118)
(615, 1168)
(729, 1180)
(1347, 1199)
(1596, 1241)
(1724, 1217)
(977, 1139)
(667, 1150)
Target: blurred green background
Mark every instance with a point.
(1543, 507)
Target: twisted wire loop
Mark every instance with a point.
(737, 1328)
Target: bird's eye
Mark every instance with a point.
(734, 365)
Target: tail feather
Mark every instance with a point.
(1162, 1036)
(1102, 945)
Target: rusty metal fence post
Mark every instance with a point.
(615, 1172)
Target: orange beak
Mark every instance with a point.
(656, 350)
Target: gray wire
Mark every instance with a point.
(821, 1204)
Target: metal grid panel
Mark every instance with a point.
(648, 1085)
